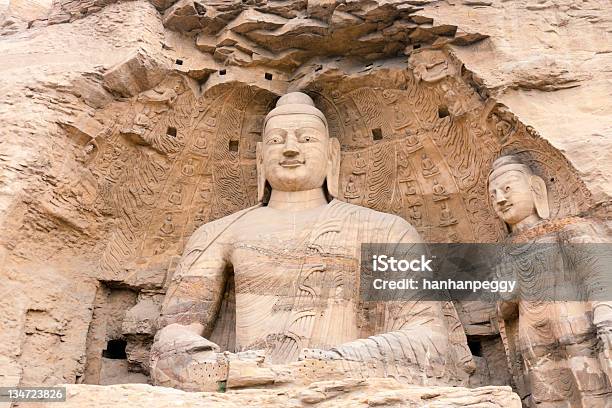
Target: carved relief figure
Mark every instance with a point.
(430, 66)
(503, 128)
(176, 197)
(167, 227)
(446, 216)
(201, 142)
(295, 260)
(428, 166)
(409, 188)
(416, 216)
(413, 143)
(360, 165)
(439, 191)
(400, 118)
(351, 192)
(563, 341)
(188, 168)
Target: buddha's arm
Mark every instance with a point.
(194, 296)
(188, 315)
(588, 258)
(508, 306)
(418, 344)
(589, 255)
(413, 339)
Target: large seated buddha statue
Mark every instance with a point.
(295, 264)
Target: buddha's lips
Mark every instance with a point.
(505, 208)
(291, 163)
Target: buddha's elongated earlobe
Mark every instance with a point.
(261, 175)
(333, 167)
(540, 196)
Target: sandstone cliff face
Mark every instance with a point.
(549, 62)
(128, 124)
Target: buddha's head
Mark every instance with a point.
(296, 152)
(516, 193)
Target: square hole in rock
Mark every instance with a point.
(179, 62)
(377, 134)
(171, 131)
(475, 347)
(233, 146)
(268, 76)
(443, 111)
(115, 349)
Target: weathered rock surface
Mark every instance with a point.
(100, 98)
(550, 63)
(367, 393)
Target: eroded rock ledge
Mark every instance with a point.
(348, 393)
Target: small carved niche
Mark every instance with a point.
(268, 76)
(222, 71)
(377, 134)
(115, 349)
(106, 346)
(179, 62)
(443, 111)
(171, 131)
(475, 347)
(233, 145)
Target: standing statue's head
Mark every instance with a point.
(296, 152)
(518, 196)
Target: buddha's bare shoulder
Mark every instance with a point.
(213, 230)
(371, 220)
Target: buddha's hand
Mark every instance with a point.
(179, 353)
(182, 339)
(507, 310)
(318, 354)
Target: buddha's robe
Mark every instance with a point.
(562, 268)
(296, 279)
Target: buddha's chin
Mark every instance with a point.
(295, 179)
(292, 186)
(511, 217)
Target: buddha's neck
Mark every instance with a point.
(526, 223)
(297, 200)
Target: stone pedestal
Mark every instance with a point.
(347, 393)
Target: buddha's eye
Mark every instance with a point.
(308, 139)
(275, 140)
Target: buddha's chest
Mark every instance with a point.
(293, 269)
(295, 296)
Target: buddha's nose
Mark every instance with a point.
(291, 148)
(500, 197)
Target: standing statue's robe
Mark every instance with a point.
(304, 294)
(562, 268)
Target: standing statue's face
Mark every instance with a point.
(295, 152)
(512, 196)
